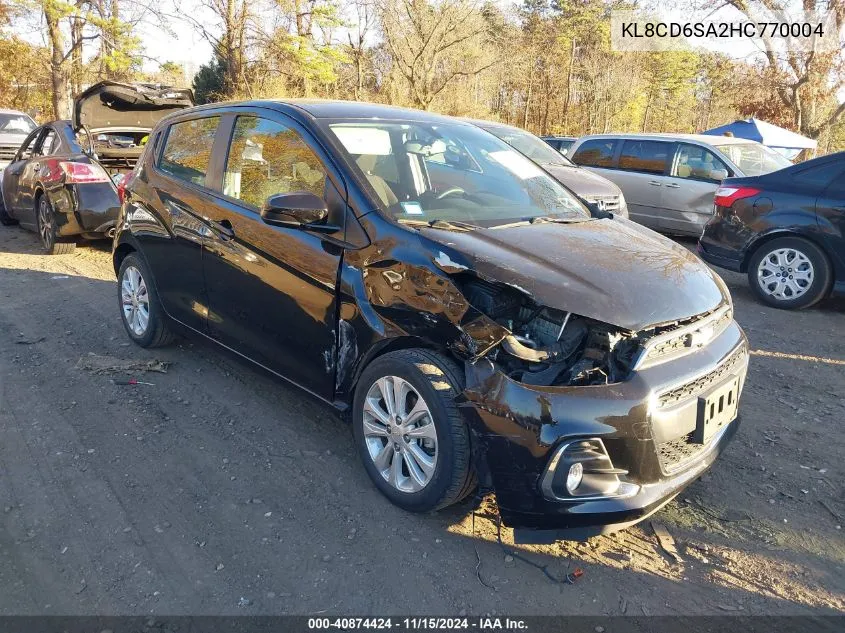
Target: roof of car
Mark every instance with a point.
(665, 136)
(3, 111)
(329, 109)
(559, 138)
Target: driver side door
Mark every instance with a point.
(272, 290)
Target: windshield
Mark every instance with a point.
(424, 172)
(754, 159)
(16, 123)
(536, 149)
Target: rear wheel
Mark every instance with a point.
(789, 273)
(410, 435)
(140, 309)
(47, 230)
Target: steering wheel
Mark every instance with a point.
(449, 192)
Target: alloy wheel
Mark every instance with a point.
(785, 274)
(400, 434)
(135, 300)
(45, 223)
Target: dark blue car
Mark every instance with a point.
(786, 229)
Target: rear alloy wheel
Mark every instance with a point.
(789, 273)
(411, 437)
(47, 230)
(140, 310)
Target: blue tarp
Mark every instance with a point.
(769, 135)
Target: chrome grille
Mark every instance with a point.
(7, 152)
(684, 336)
(695, 387)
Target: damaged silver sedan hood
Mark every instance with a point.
(614, 271)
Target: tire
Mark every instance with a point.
(790, 256)
(156, 332)
(438, 381)
(46, 221)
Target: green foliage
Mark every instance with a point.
(208, 82)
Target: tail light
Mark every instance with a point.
(726, 196)
(121, 183)
(73, 173)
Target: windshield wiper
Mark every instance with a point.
(545, 218)
(449, 225)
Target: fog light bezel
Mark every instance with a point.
(589, 450)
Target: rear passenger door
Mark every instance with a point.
(830, 210)
(272, 289)
(181, 192)
(688, 191)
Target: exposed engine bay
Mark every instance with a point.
(548, 346)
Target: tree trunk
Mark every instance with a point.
(59, 79)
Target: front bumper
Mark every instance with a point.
(646, 425)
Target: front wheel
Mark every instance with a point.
(789, 273)
(411, 437)
(140, 309)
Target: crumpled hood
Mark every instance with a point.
(582, 181)
(613, 271)
(109, 104)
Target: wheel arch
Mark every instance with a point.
(346, 391)
(765, 238)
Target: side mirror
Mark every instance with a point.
(718, 174)
(298, 210)
(597, 210)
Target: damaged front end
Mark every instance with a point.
(573, 427)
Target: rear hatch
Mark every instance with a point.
(119, 117)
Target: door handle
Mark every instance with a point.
(223, 228)
(654, 182)
(673, 185)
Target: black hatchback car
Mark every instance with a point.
(786, 229)
(481, 329)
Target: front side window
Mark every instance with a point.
(645, 156)
(424, 172)
(697, 163)
(268, 158)
(596, 152)
(754, 159)
(187, 150)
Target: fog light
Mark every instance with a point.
(573, 478)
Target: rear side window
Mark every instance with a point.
(646, 156)
(187, 149)
(595, 153)
(819, 176)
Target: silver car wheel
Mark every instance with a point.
(785, 274)
(135, 301)
(400, 434)
(45, 223)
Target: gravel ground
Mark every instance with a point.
(219, 490)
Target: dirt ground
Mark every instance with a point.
(220, 490)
